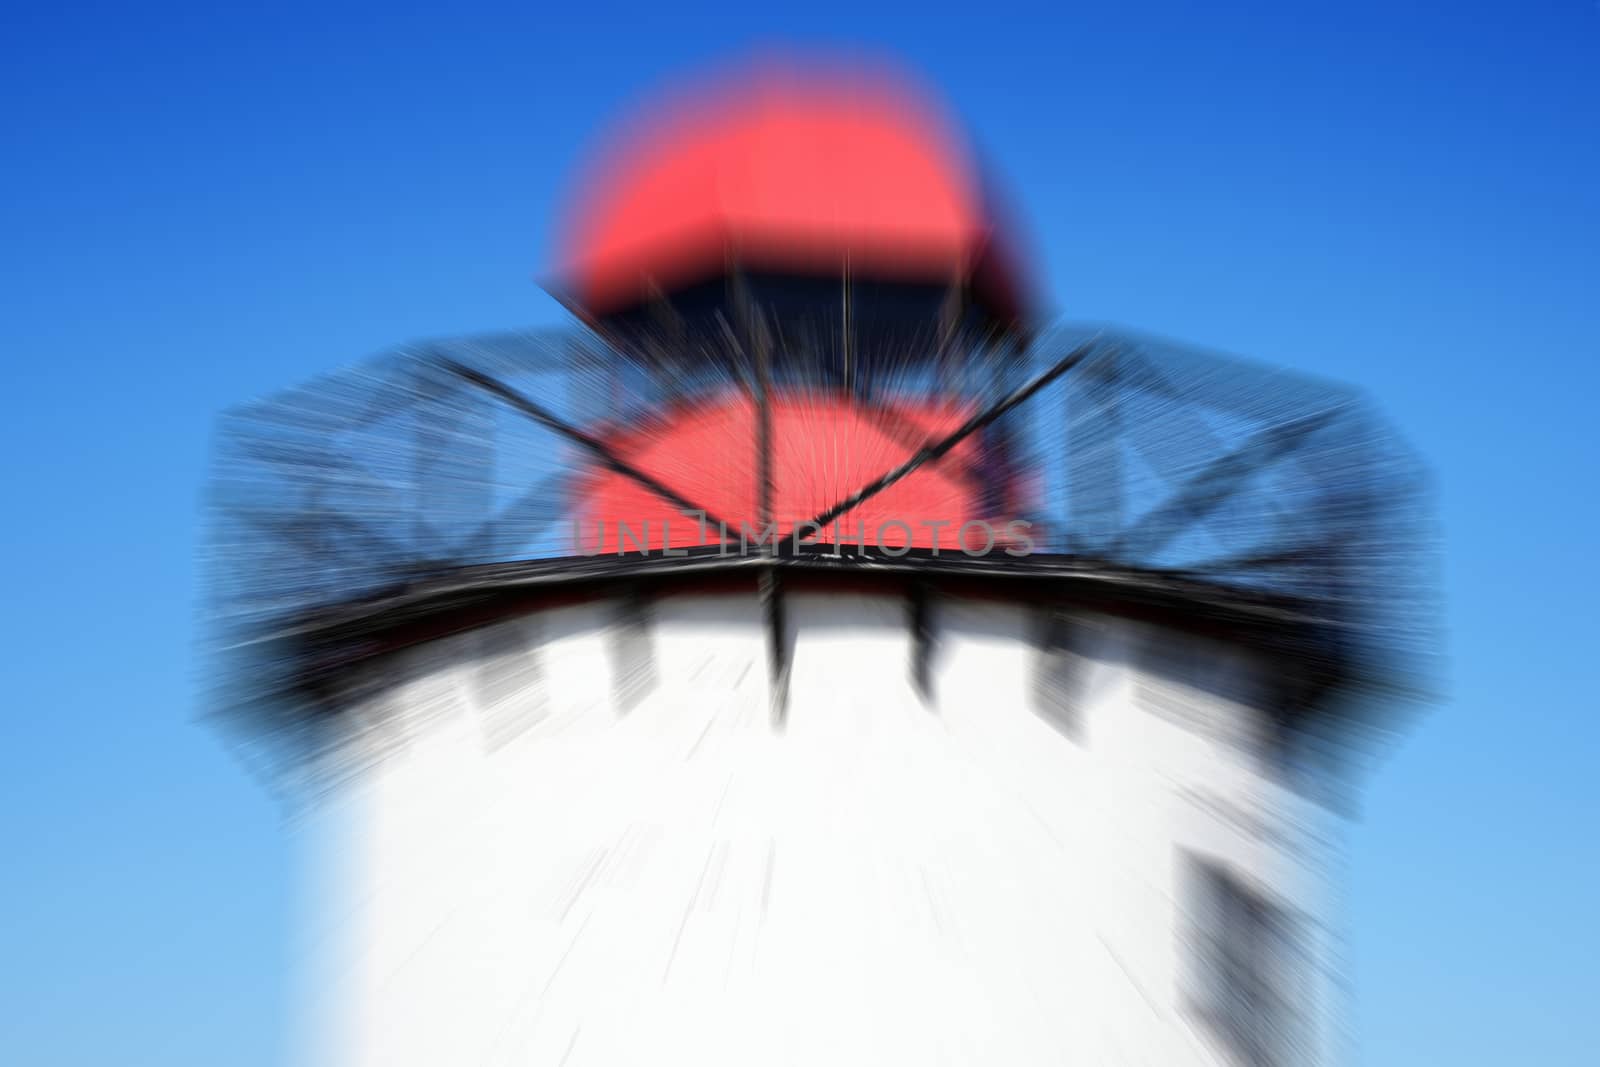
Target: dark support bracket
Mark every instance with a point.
(776, 622)
(903, 431)
(771, 584)
(633, 664)
(847, 335)
(539, 505)
(763, 435)
(1057, 679)
(598, 448)
(312, 543)
(1215, 484)
(1094, 461)
(937, 449)
(919, 616)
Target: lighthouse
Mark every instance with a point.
(807, 657)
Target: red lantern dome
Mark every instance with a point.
(780, 176)
(844, 214)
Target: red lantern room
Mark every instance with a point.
(825, 250)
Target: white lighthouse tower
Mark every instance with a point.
(805, 661)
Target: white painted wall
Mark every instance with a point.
(527, 876)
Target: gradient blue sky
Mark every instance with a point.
(199, 206)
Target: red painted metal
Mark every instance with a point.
(783, 176)
(824, 448)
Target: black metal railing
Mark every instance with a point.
(1139, 454)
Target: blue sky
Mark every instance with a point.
(200, 206)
